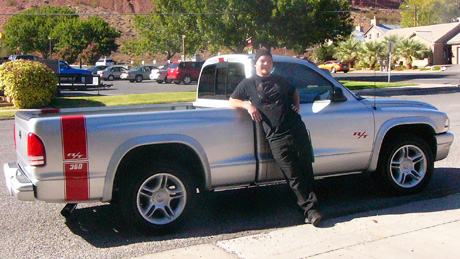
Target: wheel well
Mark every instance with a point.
(422, 130)
(171, 152)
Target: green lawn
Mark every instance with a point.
(358, 85)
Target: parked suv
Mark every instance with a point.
(185, 71)
(137, 74)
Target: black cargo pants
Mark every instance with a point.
(293, 153)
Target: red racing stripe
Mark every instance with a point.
(75, 157)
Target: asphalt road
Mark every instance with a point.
(37, 230)
(124, 87)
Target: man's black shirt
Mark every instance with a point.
(273, 96)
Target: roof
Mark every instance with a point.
(432, 33)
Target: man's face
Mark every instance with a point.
(264, 66)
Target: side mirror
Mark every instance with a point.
(338, 96)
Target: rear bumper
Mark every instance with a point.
(17, 183)
(444, 141)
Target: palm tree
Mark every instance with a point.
(348, 50)
(411, 49)
(371, 52)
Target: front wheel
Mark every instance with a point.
(333, 70)
(139, 78)
(405, 166)
(157, 198)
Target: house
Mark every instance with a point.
(442, 39)
(377, 30)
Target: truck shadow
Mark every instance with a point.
(257, 209)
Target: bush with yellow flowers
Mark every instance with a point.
(29, 84)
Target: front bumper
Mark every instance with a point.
(444, 141)
(17, 183)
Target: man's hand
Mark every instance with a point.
(255, 114)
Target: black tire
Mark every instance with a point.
(111, 78)
(333, 70)
(187, 80)
(131, 80)
(345, 71)
(176, 82)
(159, 81)
(139, 78)
(158, 198)
(168, 81)
(405, 166)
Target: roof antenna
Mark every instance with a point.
(375, 90)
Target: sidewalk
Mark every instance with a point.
(425, 229)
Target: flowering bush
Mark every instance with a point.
(29, 84)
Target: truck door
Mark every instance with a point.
(342, 133)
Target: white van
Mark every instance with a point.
(105, 62)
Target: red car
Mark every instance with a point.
(184, 71)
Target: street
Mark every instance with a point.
(37, 230)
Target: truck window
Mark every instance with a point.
(311, 85)
(219, 82)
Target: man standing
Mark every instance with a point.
(276, 103)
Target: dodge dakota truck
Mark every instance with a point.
(153, 161)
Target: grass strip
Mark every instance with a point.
(358, 85)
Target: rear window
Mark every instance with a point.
(220, 80)
(174, 65)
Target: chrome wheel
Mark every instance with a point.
(161, 199)
(408, 166)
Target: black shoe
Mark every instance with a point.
(314, 218)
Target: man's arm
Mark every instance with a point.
(255, 114)
(296, 101)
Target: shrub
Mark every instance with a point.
(29, 84)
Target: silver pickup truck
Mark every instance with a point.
(153, 161)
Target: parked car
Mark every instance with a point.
(113, 72)
(334, 65)
(26, 57)
(95, 70)
(185, 71)
(160, 75)
(137, 74)
(105, 62)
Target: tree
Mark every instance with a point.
(348, 50)
(77, 35)
(371, 52)
(163, 30)
(323, 52)
(35, 33)
(30, 33)
(427, 12)
(295, 24)
(411, 49)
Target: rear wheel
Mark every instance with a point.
(187, 79)
(405, 165)
(110, 78)
(159, 197)
(168, 81)
(159, 81)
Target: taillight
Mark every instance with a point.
(35, 150)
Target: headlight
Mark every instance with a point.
(446, 125)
